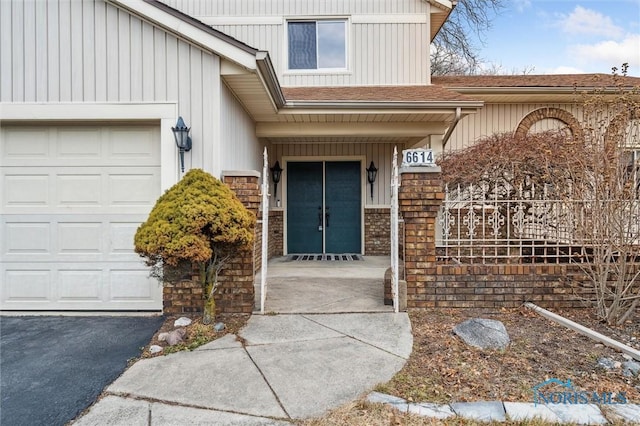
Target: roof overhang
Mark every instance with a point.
(532, 94)
(440, 11)
(250, 75)
(247, 71)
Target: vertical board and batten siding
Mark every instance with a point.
(378, 53)
(296, 7)
(380, 153)
(239, 142)
(89, 51)
(500, 118)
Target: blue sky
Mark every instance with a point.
(565, 36)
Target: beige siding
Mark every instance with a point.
(381, 154)
(500, 118)
(378, 53)
(240, 144)
(90, 51)
(199, 8)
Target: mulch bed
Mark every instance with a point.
(197, 333)
(444, 369)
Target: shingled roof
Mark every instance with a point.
(550, 80)
(426, 93)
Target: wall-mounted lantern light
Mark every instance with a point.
(276, 174)
(372, 172)
(183, 140)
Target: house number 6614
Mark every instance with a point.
(417, 157)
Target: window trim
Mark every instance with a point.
(318, 71)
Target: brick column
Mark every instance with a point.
(236, 292)
(420, 196)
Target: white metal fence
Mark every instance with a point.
(499, 224)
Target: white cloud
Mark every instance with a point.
(609, 53)
(521, 5)
(563, 69)
(583, 21)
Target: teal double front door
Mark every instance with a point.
(324, 207)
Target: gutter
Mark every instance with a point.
(384, 104)
(447, 135)
(270, 78)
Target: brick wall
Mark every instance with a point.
(377, 231)
(420, 196)
(495, 286)
(276, 230)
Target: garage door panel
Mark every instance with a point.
(23, 238)
(79, 189)
(134, 146)
(26, 190)
(125, 284)
(133, 189)
(108, 190)
(25, 144)
(49, 238)
(121, 237)
(27, 284)
(80, 238)
(79, 286)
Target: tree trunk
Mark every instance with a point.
(209, 315)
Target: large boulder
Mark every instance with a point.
(483, 333)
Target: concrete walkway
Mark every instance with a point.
(281, 367)
(325, 286)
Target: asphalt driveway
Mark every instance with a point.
(53, 367)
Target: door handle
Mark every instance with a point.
(320, 218)
(326, 217)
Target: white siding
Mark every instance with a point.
(500, 118)
(90, 51)
(240, 144)
(381, 154)
(199, 8)
(379, 52)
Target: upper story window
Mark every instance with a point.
(317, 45)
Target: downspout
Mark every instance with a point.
(451, 128)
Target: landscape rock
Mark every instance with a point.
(483, 333)
(182, 322)
(154, 349)
(606, 363)
(218, 326)
(173, 337)
(630, 368)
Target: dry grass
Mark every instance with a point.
(443, 369)
(363, 413)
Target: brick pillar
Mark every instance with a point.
(236, 292)
(420, 196)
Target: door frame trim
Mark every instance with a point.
(322, 158)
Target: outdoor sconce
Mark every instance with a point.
(372, 172)
(276, 173)
(183, 140)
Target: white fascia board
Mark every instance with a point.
(87, 111)
(373, 129)
(442, 5)
(186, 30)
(382, 107)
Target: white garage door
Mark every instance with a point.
(72, 198)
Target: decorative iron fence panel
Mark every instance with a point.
(479, 224)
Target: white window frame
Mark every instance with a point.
(347, 42)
